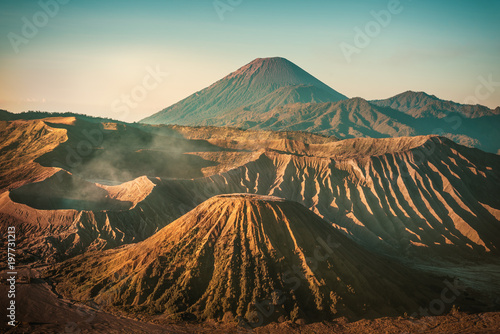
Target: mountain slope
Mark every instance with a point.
(356, 117)
(344, 119)
(235, 252)
(261, 79)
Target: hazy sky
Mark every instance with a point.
(86, 55)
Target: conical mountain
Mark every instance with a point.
(250, 257)
(276, 81)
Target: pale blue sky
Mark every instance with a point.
(91, 52)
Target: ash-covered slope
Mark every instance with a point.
(256, 87)
(21, 142)
(69, 185)
(403, 196)
(53, 180)
(235, 253)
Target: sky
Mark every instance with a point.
(129, 59)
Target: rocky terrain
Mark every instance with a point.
(409, 196)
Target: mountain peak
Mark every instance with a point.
(416, 94)
(274, 71)
(270, 60)
(421, 104)
(277, 63)
(257, 81)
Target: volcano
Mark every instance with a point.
(246, 257)
(255, 88)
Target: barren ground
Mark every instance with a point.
(40, 310)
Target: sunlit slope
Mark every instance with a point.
(233, 251)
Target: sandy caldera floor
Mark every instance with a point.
(40, 310)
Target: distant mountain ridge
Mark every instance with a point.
(420, 104)
(275, 94)
(358, 118)
(6, 115)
